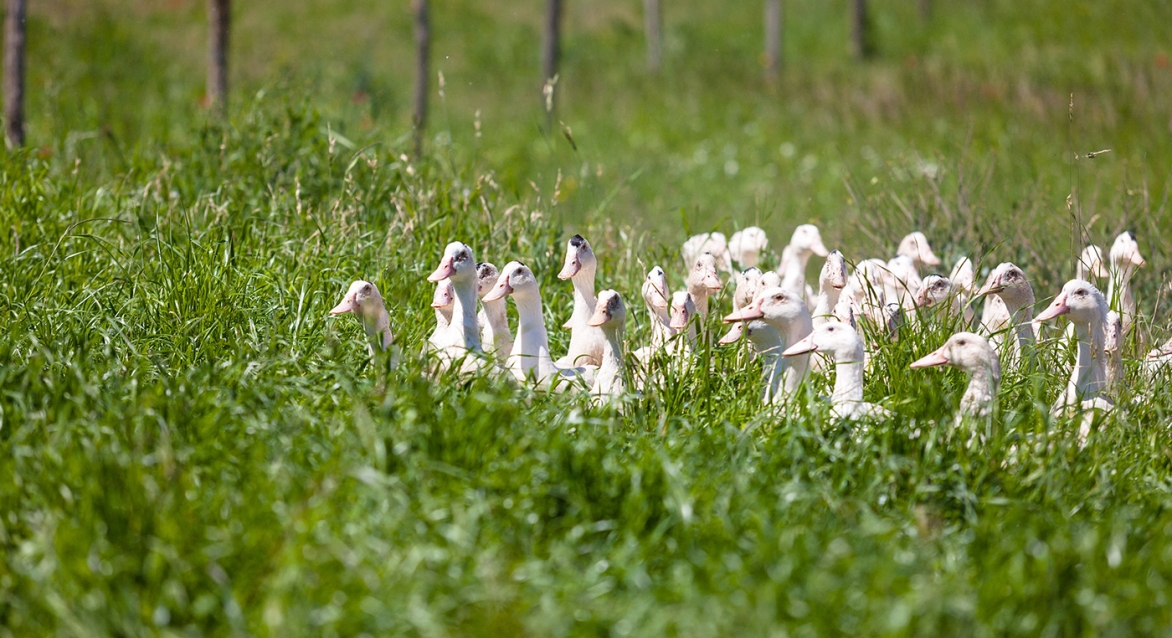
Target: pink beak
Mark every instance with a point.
(348, 305)
(712, 282)
(801, 347)
(748, 313)
(501, 290)
(734, 334)
(922, 297)
(679, 319)
(444, 271)
(930, 259)
(1056, 309)
(820, 250)
(598, 318)
(573, 265)
(937, 358)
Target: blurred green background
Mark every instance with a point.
(978, 96)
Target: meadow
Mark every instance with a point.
(190, 446)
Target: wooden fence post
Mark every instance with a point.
(422, 72)
(861, 36)
(14, 43)
(550, 53)
(653, 32)
(219, 19)
(773, 25)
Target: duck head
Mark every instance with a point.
(963, 350)
(1008, 281)
(833, 271)
(655, 292)
(515, 279)
(486, 276)
(1079, 300)
(704, 274)
(444, 294)
(773, 305)
(837, 339)
(682, 310)
(936, 289)
(806, 239)
(609, 312)
(457, 263)
(915, 245)
(579, 257)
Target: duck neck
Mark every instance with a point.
(464, 314)
(584, 299)
(848, 382)
(608, 379)
(496, 315)
(828, 297)
(699, 298)
(1119, 291)
(378, 325)
(983, 382)
(1089, 374)
(532, 339)
(769, 346)
(443, 318)
(661, 329)
(793, 278)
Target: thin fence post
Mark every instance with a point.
(861, 36)
(14, 44)
(219, 20)
(773, 26)
(422, 74)
(653, 32)
(550, 54)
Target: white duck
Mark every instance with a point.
(683, 309)
(963, 277)
(610, 315)
(938, 291)
(493, 318)
(703, 281)
(1086, 308)
(805, 242)
(843, 344)
(658, 301)
(1091, 265)
(745, 246)
(1159, 358)
(459, 266)
(904, 279)
(364, 300)
(786, 313)
(1113, 344)
(712, 243)
(1008, 309)
(586, 341)
(1125, 260)
(831, 282)
(973, 354)
(530, 359)
(915, 247)
(441, 302)
(748, 284)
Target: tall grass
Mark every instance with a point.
(191, 446)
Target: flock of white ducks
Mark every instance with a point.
(783, 319)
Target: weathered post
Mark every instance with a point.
(422, 74)
(219, 19)
(14, 43)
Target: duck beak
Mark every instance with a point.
(937, 358)
(820, 250)
(990, 288)
(573, 265)
(348, 305)
(801, 347)
(930, 258)
(922, 298)
(712, 282)
(599, 317)
(748, 313)
(734, 334)
(1056, 309)
(444, 271)
(501, 290)
(679, 319)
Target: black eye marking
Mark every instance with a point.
(962, 342)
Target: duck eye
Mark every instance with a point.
(366, 289)
(962, 342)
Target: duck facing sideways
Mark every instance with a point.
(840, 342)
(364, 300)
(703, 282)
(973, 354)
(1012, 289)
(786, 313)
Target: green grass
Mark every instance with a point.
(189, 445)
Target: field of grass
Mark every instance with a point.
(190, 446)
